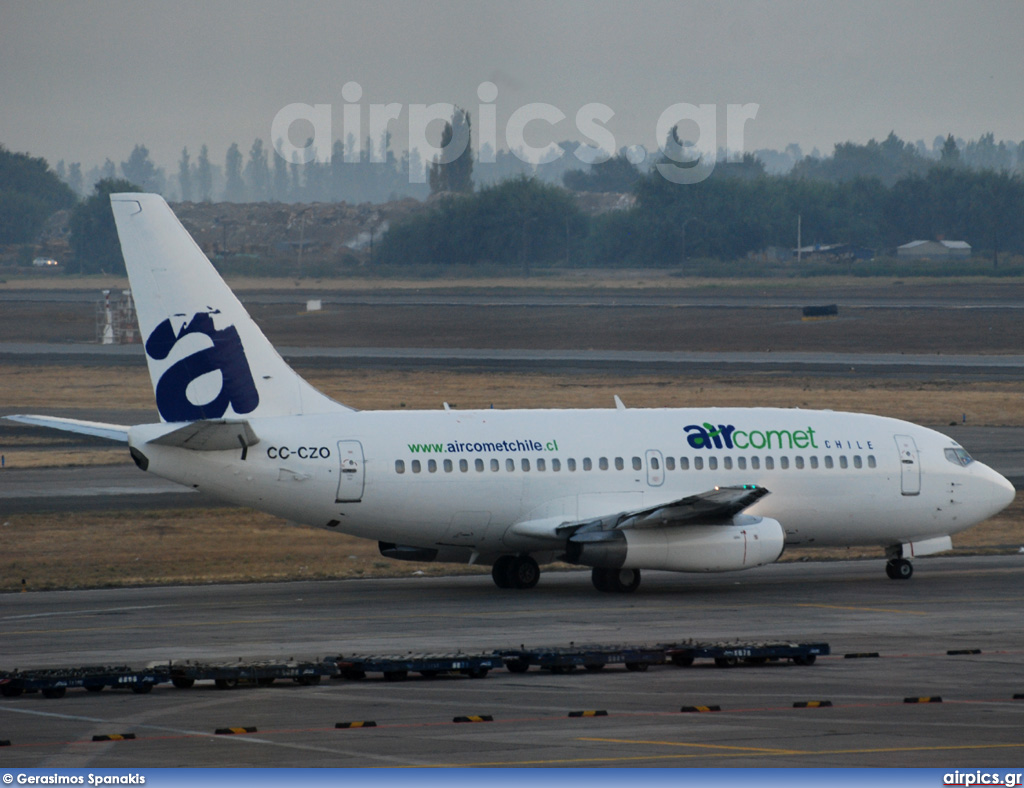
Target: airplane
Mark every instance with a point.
(619, 490)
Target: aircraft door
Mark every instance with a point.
(351, 477)
(910, 466)
(655, 468)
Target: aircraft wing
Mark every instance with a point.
(715, 507)
(114, 432)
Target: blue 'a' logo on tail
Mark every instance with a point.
(227, 356)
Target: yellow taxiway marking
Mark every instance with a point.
(866, 609)
(757, 750)
(722, 752)
(775, 751)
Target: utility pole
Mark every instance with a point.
(798, 243)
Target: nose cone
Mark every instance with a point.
(999, 492)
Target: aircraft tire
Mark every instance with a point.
(899, 569)
(524, 572)
(623, 581)
(599, 577)
(501, 572)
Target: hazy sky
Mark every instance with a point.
(82, 81)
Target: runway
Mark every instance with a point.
(959, 604)
(1003, 296)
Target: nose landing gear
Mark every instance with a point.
(899, 569)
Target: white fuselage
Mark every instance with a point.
(459, 480)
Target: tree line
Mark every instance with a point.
(877, 195)
(738, 211)
(374, 171)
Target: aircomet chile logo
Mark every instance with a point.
(226, 355)
(726, 436)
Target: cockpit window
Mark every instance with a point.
(959, 457)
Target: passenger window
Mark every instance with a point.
(857, 462)
(727, 463)
(510, 465)
(432, 466)
(479, 465)
(843, 462)
(784, 462)
(871, 461)
(799, 463)
(526, 464)
(399, 466)
(603, 463)
(587, 465)
(447, 466)
(541, 465)
(712, 463)
(670, 463)
(463, 466)
(769, 463)
(698, 463)
(556, 465)
(755, 463)
(684, 463)
(741, 463)
(829, 462)
(619, 464)
(814, 462)
(571, 463)
(638, 464)
(416, 466)
(495, 466)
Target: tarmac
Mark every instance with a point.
(914, 704)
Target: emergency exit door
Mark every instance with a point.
(910, 465)
(352, 478)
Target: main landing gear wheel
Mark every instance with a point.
(899, 569)
(500, 572)
(620, 581)
(515, 571)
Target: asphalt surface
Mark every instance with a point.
(959, 604)
(1001, 295)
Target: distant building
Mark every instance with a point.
(935, 250)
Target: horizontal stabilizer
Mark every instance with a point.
(113, 432)
(216, 435)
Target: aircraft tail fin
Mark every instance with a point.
(207, 357)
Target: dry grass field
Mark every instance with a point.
(27, 388)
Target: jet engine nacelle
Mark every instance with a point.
(748, 542)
